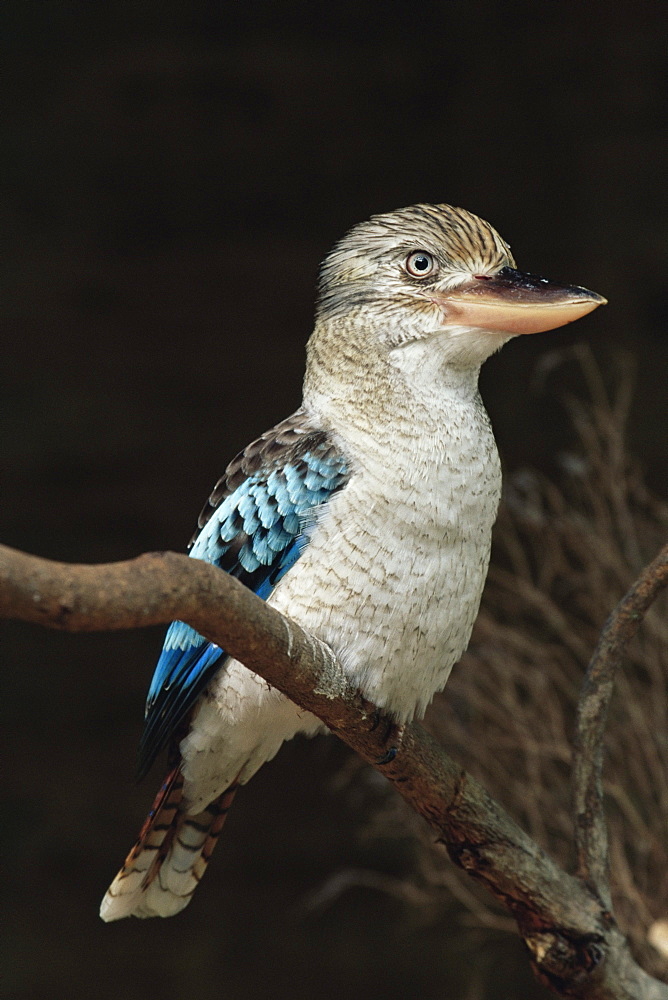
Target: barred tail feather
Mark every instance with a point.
(163, 869)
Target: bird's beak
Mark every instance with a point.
(513, 302)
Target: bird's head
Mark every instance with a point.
(434, 271)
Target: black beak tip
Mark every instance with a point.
(527, 282)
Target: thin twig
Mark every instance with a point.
(591, 833)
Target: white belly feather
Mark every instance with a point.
(392, 583)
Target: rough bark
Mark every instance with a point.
(566, 921)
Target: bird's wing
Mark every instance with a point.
(254, 526)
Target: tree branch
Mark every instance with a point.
(591, 832)
(574, 943)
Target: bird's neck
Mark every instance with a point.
(373, 395)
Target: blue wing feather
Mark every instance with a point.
(257, 526)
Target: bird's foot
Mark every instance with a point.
(393, 736)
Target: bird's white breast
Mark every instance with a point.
(393, 575)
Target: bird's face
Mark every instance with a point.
(437, 272)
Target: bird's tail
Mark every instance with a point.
(163, 869)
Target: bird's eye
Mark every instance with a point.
(420, 264)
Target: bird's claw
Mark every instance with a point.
(389, 756)
(393, 733)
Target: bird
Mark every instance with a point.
(365, 516)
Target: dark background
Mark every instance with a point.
(174, 173)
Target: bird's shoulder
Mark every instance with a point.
(295, 454)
